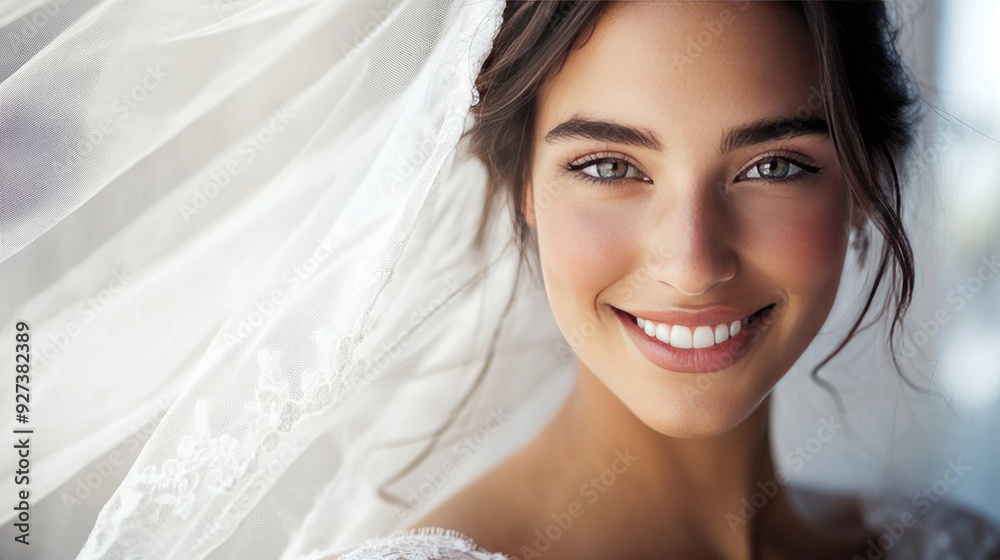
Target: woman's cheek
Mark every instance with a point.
(800, 245)
(589, 242)
(584, 249)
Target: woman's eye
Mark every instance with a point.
(607, 169)
(776, 168)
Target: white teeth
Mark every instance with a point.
(663, 333)
(680, 336)
(721, 333)
(704, 337)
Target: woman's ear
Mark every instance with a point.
(528, 204)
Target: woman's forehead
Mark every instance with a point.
(678, 65)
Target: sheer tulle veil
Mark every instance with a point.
(240, 236)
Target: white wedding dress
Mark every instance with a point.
(945, 532)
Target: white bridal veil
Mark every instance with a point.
(238, 234)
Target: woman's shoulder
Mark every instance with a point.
(424, 543)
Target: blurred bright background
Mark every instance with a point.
(960, 71)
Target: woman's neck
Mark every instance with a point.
(697, 485)
(598, 483)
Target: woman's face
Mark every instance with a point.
(682, 174)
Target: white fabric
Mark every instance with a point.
(424, 543)
(240, 231)
(262, 201)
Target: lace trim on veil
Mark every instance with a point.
(174, 505)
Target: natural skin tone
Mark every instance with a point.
(689, 221)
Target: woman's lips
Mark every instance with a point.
(716, 357)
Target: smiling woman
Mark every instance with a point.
(732, 185)
(500, 280)
(731, 230)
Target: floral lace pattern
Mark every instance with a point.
(172, 506)
(219, 462)
(425, 543)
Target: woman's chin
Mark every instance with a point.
(701, 418)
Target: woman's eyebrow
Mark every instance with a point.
(766, 130)
(603, 131)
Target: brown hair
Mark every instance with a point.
(869, 102)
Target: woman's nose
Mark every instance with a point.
(691, 242)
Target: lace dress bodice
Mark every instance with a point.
(424, 543)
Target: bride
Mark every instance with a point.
(446, 280)
(689, 209)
